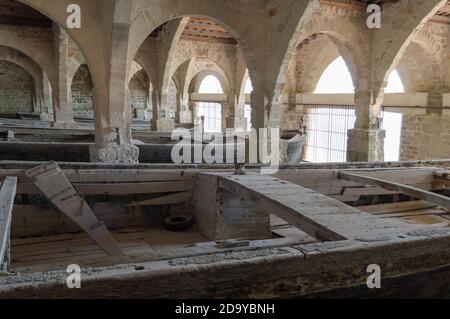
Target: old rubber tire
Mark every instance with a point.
(180, 222)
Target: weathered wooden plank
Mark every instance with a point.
(319, 216)
(397, 207)
(172, 199)
(437, 199)
(7, 195)
(113, 175)
(55, 186)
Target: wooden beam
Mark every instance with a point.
(118, 188)
(418, 193)
(317, 215)
(172, 199)
(7, 195)
(52, 182)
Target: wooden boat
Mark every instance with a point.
(307, 231)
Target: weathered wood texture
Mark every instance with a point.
(177, 198)
(317, 215)
(295, 271)
(7, 195)
(437, 199)
(55, 186)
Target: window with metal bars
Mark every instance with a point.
(213, 116)
(327, 127)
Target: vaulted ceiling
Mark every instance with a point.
(17, 13)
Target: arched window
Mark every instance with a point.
(395, 84)
(210, 85)
(248, 107)
(335, 79)
(248, 86)
(212, 112)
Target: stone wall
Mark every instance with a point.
(16, 89)
(172, 99)
(139, 95)
(425, 137)
(82, 93)
(292, 115)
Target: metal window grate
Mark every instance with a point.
(327, 127)
(213, 116)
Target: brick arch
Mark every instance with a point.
(344, 33)
(87, 44)
(313, 58)
(20, 93)
(25, 62)
(41, 52)
(82, 91)
(390, 47)
(419, 69)
(146, 19)
(192, 51)
(199, 69)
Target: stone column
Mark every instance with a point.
(161, 121)
(62, 97)
(185, 111)
(47, 109)
(366, 141)
(195, 112)
(236, 115)
(113, 143)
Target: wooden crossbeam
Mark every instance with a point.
(7, 195)
(172, 199)
(317, 215)
(118, 188)
(418, 193)
(52, 182)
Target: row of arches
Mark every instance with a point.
(280, 65)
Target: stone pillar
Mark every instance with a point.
(185, 111)
(195, 112)
(161, 121)
(259, 114)
(47, 109)
(236, 116)
(113, 143)
(366, 141)
(62, 97)
(113, 136)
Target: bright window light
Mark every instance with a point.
(392, 123)
(395, 84)
(336, 79)
(210, 85)
(248, 86)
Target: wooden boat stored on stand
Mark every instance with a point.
(308, 230)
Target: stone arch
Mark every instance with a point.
(200, 77)
(418, 69)
(146, 19)
(88, 45)
(140, 86)
(40, 51)
(41, 101)
(313, 57)
(344, 33)
(391, 46)
(82, 90)
(17, 89)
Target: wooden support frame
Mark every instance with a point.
(171, 199)
(317, 215)
(52, 182)
(7, 196)
(428, 196)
